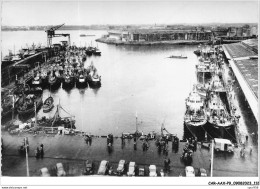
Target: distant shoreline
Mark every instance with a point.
(172, 42)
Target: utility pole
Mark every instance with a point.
(26, 145)
(211, 162)
(35, 114)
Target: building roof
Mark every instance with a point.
(252, 44)
(238, 50)
(249, 70)
(164, 31)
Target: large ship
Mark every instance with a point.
(195, 117)
(195, 114)
(220, 120)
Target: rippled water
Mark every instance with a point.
(135, 80)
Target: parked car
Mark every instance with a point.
(202, 172)
(152, 171)
(131, 169)
(121, 167)
(141, 171)
(189, 170)
(44, 172)
(89, 167)
(103, 167)
(60, 170)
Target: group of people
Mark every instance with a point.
(88, 139)
(189, 148)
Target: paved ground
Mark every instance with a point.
(72, 151)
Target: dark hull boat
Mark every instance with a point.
(94, 81)
(81, 82)
(48, 104)
(68, 82)
(197, 52)
(54, 82)
(218, 116)
(27, 106)
(96, 52)
(37, 81)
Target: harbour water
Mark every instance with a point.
(137, 81)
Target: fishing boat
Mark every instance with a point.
(68, 81)
(81, 81)
(195, 114)
(36, 82)
(27, 104)
(48, 104)
(96, 51)
(54, 81)
(89, 51)
(176, 56)
(58, 120)
(44, 78)
(218, 116)
(195, 117)
(94, 80)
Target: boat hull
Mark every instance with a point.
(222, 130)
(30, 111)
(68, 83)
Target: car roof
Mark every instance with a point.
(152, 167)
(132, 163)
(103, 162)
(59, 165)
(221, 140)
(121, 161)
(190, 168)
(44, 170)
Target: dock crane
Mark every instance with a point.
(51, 33)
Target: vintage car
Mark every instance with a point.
(103, 167)
(121, 167)
(152, 171)
(89, 167)
(60, 170)
(202, 172)
(44, 172)
(131, 169)
(189, 170)
(141, 171)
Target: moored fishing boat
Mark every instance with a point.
(81, 81)
(195, 114)
(27, 105)
(48, 104)
(96, 51)
(54, 81)
(218, 116)
(57, 120)
(68, 81)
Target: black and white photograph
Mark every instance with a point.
(108, 89)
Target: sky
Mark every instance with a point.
(28, 13)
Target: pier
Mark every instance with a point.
(72, 151)
(243, 59)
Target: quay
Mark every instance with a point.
(243, 59)
(72, 151)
